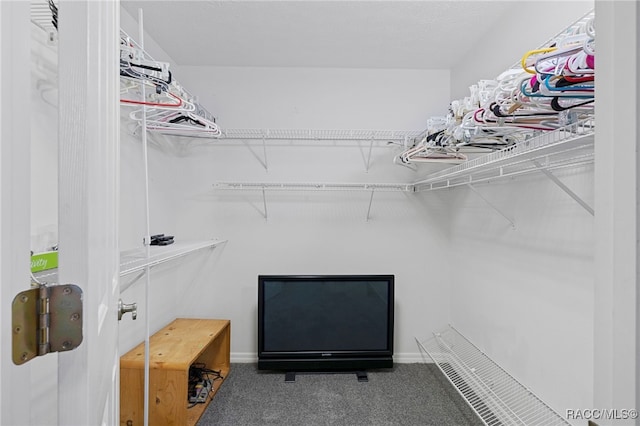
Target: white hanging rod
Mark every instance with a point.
(309, 186)
(321, 135)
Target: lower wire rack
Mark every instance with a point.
(495, 396)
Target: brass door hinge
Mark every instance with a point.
(46, 319)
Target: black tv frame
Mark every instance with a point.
(326, 360)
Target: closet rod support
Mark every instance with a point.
(564, 187)
(497, 210)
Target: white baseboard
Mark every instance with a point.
(399, 358)
(244, 357)
(411, 358)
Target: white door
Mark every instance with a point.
(87, 378)
(89, 131)
(14, 199)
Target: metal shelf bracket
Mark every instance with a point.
(370, 202)
(497, 210)
(264, 203)
(263, 160)
(317, 186)
(564, 187)
(347, 138)
(367, 160)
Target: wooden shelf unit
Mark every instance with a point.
(173, 349)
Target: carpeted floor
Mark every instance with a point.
(408, 394)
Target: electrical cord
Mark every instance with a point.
(199, 373)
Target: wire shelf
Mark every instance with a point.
(135, 260)
(569, 145)
(186, 117)
(496, 396)
(308, 186)
(42, 16)
(321, 135)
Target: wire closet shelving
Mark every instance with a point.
(315, 186)
(44, 15)
(398, 136)
(136, 260)
(495, 395)
(572, 145)
(568, 146)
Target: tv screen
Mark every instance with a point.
(330, 322)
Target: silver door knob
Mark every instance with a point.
(123, 308)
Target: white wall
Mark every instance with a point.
(163, 206)
(330, 227)
(324, 98)
(526, 296)
(129, 24)
(311, 232)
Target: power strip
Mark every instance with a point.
(200, 392)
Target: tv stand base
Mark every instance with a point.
(362, 376)
(290, 376)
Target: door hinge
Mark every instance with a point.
(46, 319)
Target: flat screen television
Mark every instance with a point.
(325, 322)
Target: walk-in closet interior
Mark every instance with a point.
(337, 138)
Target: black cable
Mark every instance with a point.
(198, 373)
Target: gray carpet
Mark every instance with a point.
(408, 394)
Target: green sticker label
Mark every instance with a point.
(44, 261)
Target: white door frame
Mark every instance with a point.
(616, 293)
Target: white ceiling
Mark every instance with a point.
(332, 33)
